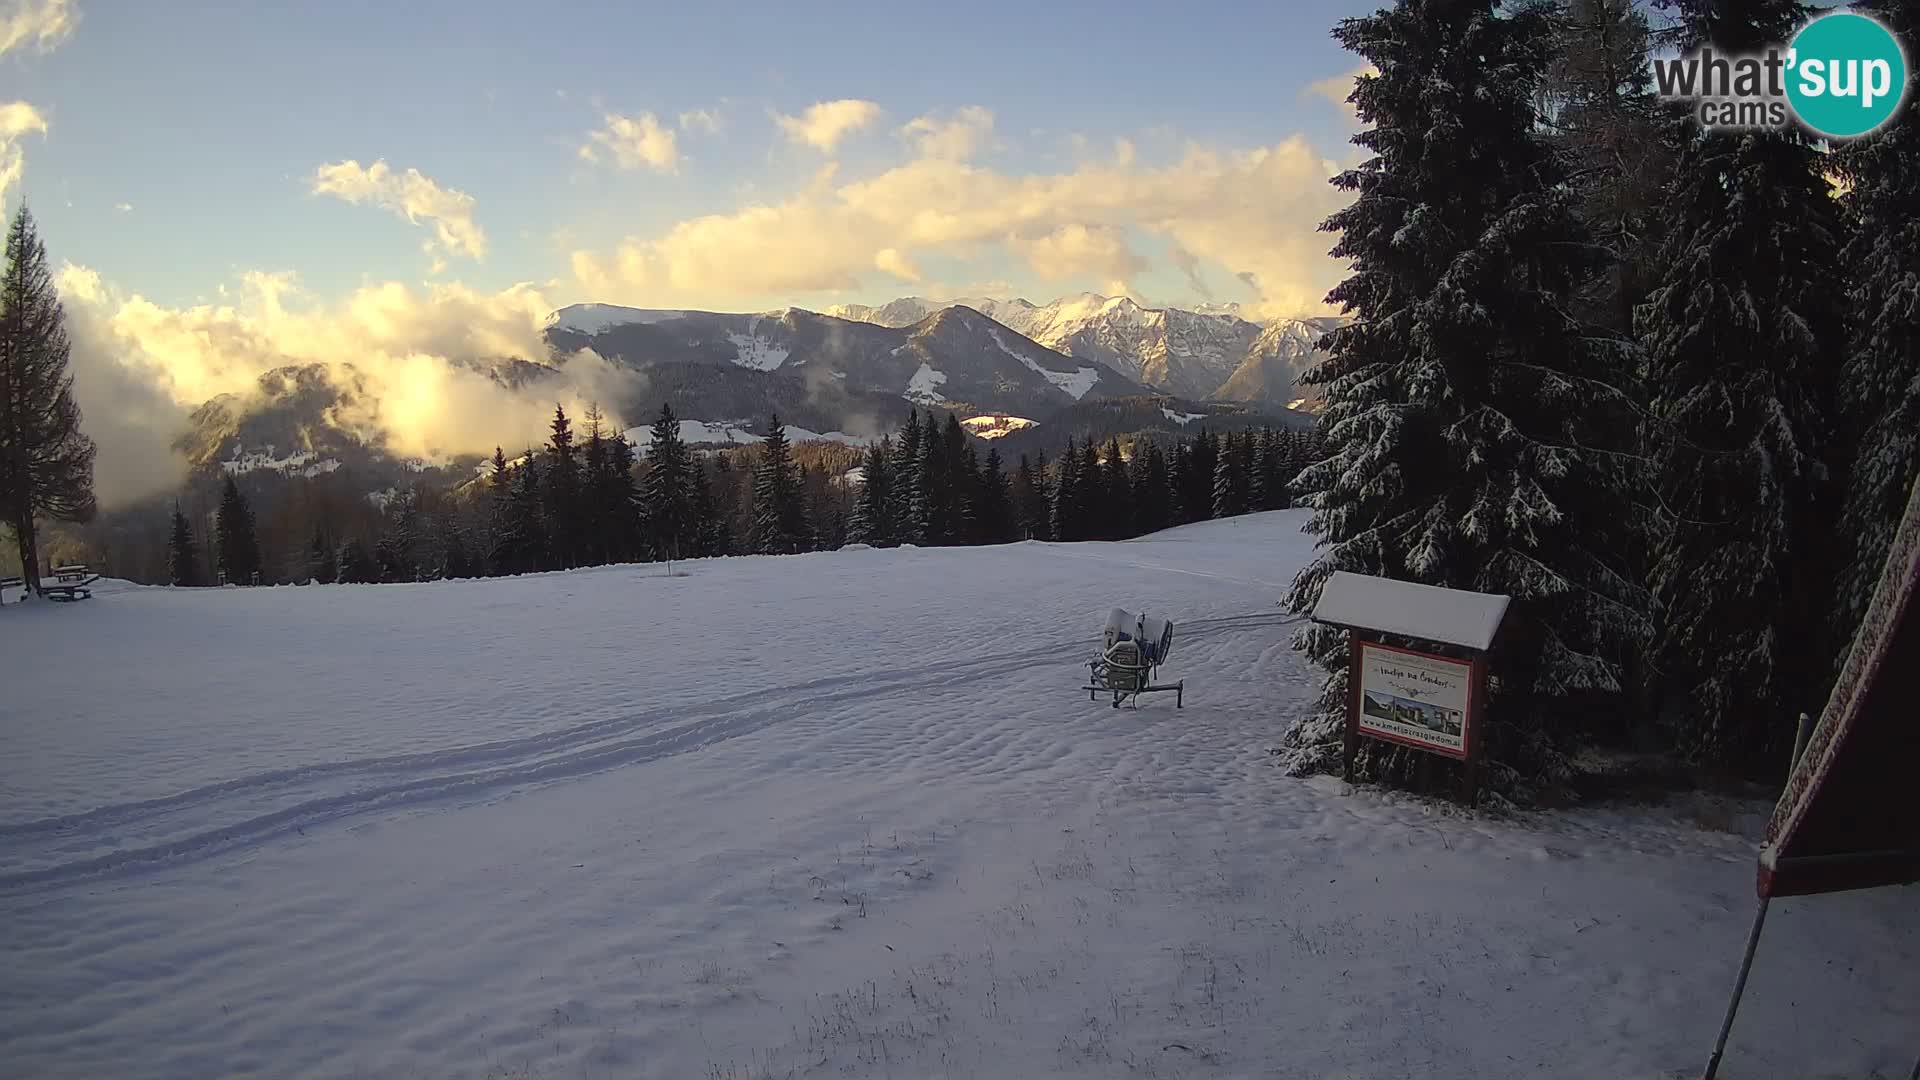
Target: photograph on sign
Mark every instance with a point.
(1414, 698)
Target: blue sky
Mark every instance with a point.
(209, 121)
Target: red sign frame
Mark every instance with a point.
(1469, 752)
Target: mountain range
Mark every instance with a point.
(1205, 354)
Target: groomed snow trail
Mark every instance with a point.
(837, 814)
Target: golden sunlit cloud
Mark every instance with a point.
(823, 125)
(41, 25)
(413, 196)
(634, 142)
(1255, 213)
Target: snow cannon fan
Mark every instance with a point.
(1132, 649)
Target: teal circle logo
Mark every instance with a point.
(1846, 75)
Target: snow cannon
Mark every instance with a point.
(1132, 649)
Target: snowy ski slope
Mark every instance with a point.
(833, 814)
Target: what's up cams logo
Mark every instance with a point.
(1843, 75)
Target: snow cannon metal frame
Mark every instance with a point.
(1133, 648)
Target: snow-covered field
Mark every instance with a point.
(830, 815)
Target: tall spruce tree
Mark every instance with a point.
(1090, 501)
(1065, 522)
(931, 493)
(905, 477)
(623, 501)
(1745, 334)
(1469, 417)
(1040, 501)
(562, 493)
(1230, 484)
(46, 462)
(1196, 484)
(1600, 112)
(993, 514)
(520, 537)
(1152, 491)
(779, 512)
(873, 511)
(1879, 403)
(235, 544)
(669, 488)
(595, 511)
(183, 555)
(1116, 494)
(956, 478)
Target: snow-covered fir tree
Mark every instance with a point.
(1744, 334)
(1468, 416)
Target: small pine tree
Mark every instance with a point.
(183, 555)
(779, 512)
(238, 549)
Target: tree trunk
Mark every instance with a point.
(29, 553)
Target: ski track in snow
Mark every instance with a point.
(831, 815)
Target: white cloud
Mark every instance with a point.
(413, 196)
(1255, 213)
(956, 138)
(17, 118)
(634, 142)
(823, 125)
(416, 354)
(124, 207)
(707, 120)
(42, 25)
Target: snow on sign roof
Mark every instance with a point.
(1452, 616)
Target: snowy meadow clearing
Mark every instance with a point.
(834, 814)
